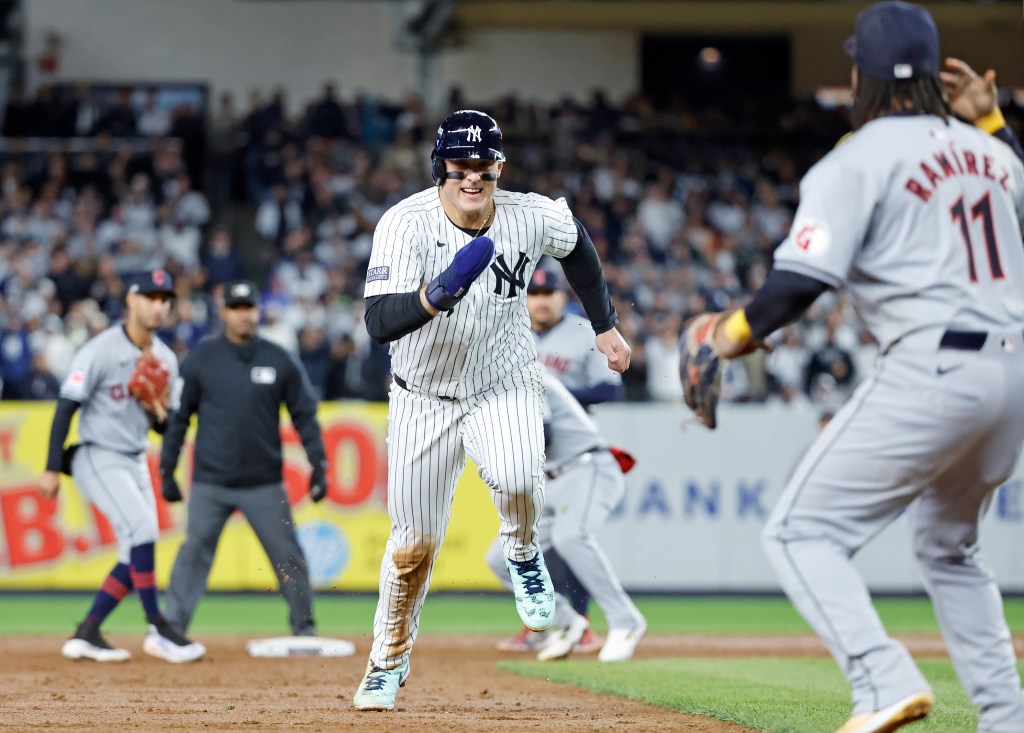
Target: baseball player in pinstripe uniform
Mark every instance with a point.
(584, 486)
(451, 301)
(919, 216)
(565, 345)
(109, 466)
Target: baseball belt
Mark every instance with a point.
(556, 472)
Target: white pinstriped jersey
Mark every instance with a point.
(109, 416)
(487, 336)
(571, 431)
(921, 221)
(568, 349)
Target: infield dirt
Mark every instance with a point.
(455, 686)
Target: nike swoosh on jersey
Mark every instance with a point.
(442, 244)
(946, 370)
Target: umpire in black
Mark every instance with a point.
(236, 384)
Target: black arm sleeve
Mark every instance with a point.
(177, 422)
(781, 300)
(582, 268)
(389, 317)
(301, 404)
(59, 432)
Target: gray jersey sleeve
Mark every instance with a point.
(568, 349)
(86, 373)
(836, 199)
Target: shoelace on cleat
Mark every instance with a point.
(529, 571)
(375, 681)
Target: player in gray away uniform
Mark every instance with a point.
(584, 486)
(919, 216)
(109, 466)
(565, 345)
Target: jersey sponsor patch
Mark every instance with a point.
(811, 236)
(76, 378)
(378, 273)
(263, 375)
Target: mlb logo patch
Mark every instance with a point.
(264, 375)
(378, 273)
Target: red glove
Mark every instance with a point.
(150, 385)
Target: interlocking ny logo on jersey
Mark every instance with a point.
(514, 277)
(474, 133)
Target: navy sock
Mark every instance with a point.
(144, 580)
(114, 588)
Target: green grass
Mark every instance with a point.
(776, 695)
(262, 613)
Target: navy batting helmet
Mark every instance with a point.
(465, 134)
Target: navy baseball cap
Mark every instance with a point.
(154, 281)
(241, 292)
(544, 281)
(895, 40)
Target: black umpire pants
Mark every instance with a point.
(267, 510)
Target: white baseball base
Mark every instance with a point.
(300, 646)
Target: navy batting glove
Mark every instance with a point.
(169, 488)
(317, 483)
(448, 288)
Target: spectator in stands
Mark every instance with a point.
(154, 120)
(326, 118)
(676, 237)
(118, 120)
(662, 357)
(15, 359)
(220, 261)
(315, 355)
(278, 216)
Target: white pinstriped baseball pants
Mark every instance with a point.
(428, 440)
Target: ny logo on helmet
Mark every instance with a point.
(474, 133)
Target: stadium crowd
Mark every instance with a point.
(685, 206)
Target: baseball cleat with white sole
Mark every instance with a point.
(163, 642)
(892, 717)
(535, 596)
(560, 642)
(379, 687)
(88, 643)
(621, 644)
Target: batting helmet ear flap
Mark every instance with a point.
(437, 169)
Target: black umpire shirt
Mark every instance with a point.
(237, 392)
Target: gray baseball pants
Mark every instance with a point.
(932, 433)
(578, 502)
(267, 510)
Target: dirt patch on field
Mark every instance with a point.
(455, 686)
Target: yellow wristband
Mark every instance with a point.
(737, 329)
(991, 122)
